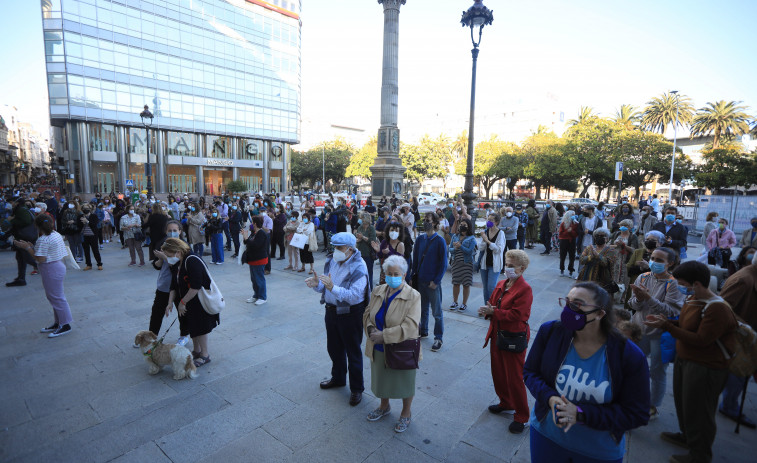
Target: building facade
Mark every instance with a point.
(221, 77)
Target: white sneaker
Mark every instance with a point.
(260, 302)
(251, 300)
(182, 341)
(135, 345)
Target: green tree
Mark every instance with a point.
(719, 119)
(430, 158)
(492, 162)
(306, 168)
(363, 159)
(460, 146)
(236, 186)
(661, 112)
(726, 167)
(585, 114)
(592, 149)
(545, 163)
(646, 155)
(627, 116)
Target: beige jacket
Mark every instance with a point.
(402, 317)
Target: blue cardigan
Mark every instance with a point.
(435, 262)
(629, 380)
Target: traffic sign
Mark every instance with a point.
(619, 171)
(130, 183)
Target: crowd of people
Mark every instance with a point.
(593, 377)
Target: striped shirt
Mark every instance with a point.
(51, 247)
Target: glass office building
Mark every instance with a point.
(222, 78)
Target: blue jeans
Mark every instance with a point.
(369, 263)
(257, 276)
(734, 386)
(489, 278)
(433, 298)
(544, 450)
(216, 247)
(657, 369)
(198, 249)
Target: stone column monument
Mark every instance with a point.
(388, 170)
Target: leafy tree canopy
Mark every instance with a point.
(363, 159)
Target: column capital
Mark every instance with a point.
(392, 4)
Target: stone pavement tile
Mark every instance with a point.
(436, 373)
(256, 446)
(490, 434)
(149, 452)
(395, 450)
(18, 440)
(465, 452)
(14, 412)
(118, 402)
(299, 426)
(207, 435)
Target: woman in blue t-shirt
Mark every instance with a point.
(590, 383)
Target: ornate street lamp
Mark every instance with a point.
(146, 116)
(476, 17)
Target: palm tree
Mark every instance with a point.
(628, 116)
(585, 114)
(661, 111)
(719, 119)
(460, 145)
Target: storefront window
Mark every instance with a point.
(102, 137)
(251, 150)
(219, 147)
(104, 177)
(137, 175)
(216, 180)
(182, 179)
(138, 141)
(275, 184)
(253, 178)
(181, 144)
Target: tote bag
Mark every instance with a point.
(299, 240)
(211, 299)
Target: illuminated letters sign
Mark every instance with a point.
(220, 162)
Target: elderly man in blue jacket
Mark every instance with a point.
(429, 265)
(344, 290)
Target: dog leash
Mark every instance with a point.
(148, 353)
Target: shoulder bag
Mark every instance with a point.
(509, 341)
(211, 299)
(403, 355)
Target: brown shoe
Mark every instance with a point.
(675, 438)
(355, 398)
(99, 267)
(328, 384)
(88, 267)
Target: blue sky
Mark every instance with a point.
(595, 53)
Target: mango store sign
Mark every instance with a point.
(221, 162)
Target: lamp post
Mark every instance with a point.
(146, 116)
(477, 16)
(673, 161)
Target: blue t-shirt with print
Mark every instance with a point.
(583, 381)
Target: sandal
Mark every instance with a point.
(200, 361)
(311, 272)
(402, 424)
(196, 355)
(301, 270)
(288, 267)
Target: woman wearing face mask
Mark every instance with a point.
(129, 223)
(188, 275)
(710, 225)
(585, 417)
(214, 228)
(365, 235)
(330, 222)
(257, 258)
(392, 316)
(306, 254)
(235, 227)
(107, 223)
(532, 230)
(392, 245)
(490, 252)
(706, 328)
(598, 261)
(70, 226)
(638, 263)
(509, 309)
(196, 233)
(277, 234)
(656, 292)
(567, 233)
(162, 263)
(89, 222)
(462, 249)
(626, 243)
(721, 240)
(290, 229)
(625, 213)
(118, 212)
(156, 224)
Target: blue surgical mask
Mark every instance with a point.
(670, 218)
(305, 220)
(679, 220)
(656, 267)
(234, 207)
(215, 214)
(624, 229)
(360, 221)
(173, 234)
(547, 206)
(685, 291)
(393, 282)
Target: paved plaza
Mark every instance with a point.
(87, 396)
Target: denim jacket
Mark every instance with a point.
(468, 246)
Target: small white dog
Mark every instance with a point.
(158, 356)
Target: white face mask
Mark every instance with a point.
(70, 206)
(339, 256)
(131, 212)
(394, 235)
(172, 260)
(509, 214)
(510, 273)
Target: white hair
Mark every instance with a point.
(601, 231)
(395, 261)
(42, 206)
(567, 217)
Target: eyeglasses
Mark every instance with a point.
(577, 306)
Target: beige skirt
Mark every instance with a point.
(390, 384)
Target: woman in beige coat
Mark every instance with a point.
(392, 316)
(196, 229)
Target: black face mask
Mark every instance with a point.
(650, 244)
(464, 230)
(586, 214)
(600, 240)
(428, 225)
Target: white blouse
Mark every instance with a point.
(51, 247)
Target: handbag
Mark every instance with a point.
(402, 355)
(139, 235)
(512, 342)
(299, 240)
(211, 299)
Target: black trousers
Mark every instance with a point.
(568, 248)
(546, 240)
(277, 239)
(23, 258)
(235, 238)
(159, 312)
(91, 243)
(344, 334)
(227, 232)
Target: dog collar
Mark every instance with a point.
(148, 353)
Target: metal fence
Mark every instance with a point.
(737, 209)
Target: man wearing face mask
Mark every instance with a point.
(647, 221)
(548, 226)
(22, 222)
(509, 226)
(675, 233)
(740, 292)
(429, 266)
(749, 236)
(344, 291)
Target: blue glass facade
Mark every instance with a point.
(210, 70)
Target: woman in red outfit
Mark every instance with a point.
(508, 309)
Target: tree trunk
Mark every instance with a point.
(599, 192)
(586, 184)
(537, 187)
(716, 139)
